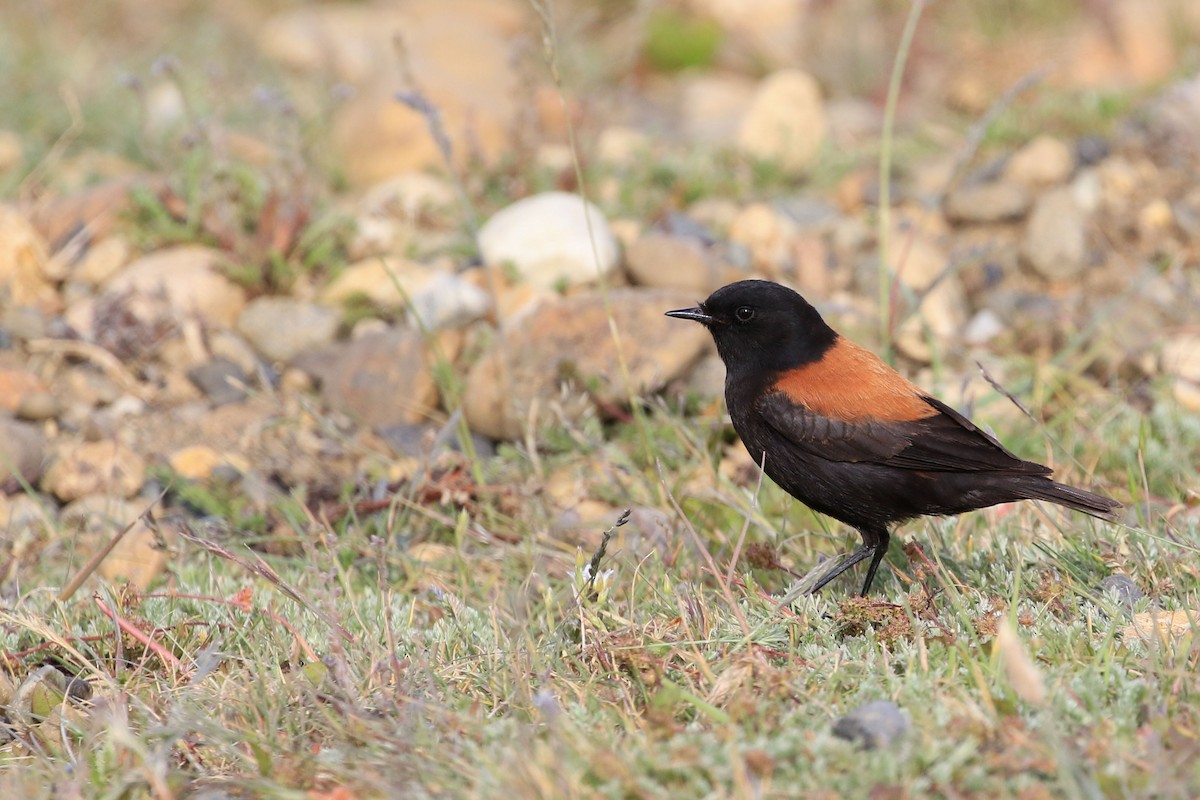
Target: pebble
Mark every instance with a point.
(567, 345)
(381, 379)
(16, 386)
(1045, 161)
(102, 261)
(439, 298)
(449, 302)
(23, 260)
(1122, 588)
(983, 327)
(786, 123)
(768, 236)
(552, 240)
(138, 558)
(22, 453)
(877, 724)
(987, 202)
(672, 262)
(1181, 357)
(1055, 240)
(282, 328)
(466, 72)
(621, 145)
(221, 380)
(1187, 394)
(1155, 219)
(38, 406)
(94, 468)
(187, 278)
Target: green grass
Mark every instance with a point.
(455, 661)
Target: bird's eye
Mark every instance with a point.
(744, 314)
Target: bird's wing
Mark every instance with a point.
(943, 441)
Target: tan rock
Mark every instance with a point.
(102, 261)
(768, 236)
(1044, 161)
(23, 260)
(1181, 357)
(386, 282)
(563, 359)
(188, 278)
(464, 68)
(1055, 239)
(672, 262)
(16, 385)
(382, 379)
(139, 557)
(786, 122)
(22, 453)
(94, 468)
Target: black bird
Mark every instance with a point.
(847, 435)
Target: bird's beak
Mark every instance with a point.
(696, 314)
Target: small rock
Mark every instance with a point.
(22, 453)
(547, 238)
(199, 462)
(1122, 588)
(281, 328)
(987, 202)
(877, 724)
(381, 379)
(1163, 627)
(409, 196)
(94, 468)
(1087, 190)
(671, 262)
(421, 441)
(140, 556)
(23, 260)
(1187, 394)
(1155, 218)
(1045, 161)
(983, 327)
(102, 261)
(767, 235)
(786, 122)
(188, 278)
(16, 386)
(221, 380)
(1091, 149)
(1055, 240)
(1181, 357)
(621, 146)
(438, 298)
(38, 406)
(563, 359)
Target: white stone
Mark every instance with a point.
(551, 239)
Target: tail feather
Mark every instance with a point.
(1094, 504)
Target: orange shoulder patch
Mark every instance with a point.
(851, 383)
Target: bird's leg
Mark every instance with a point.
(876, 539)
(843, 563)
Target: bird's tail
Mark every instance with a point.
(1078, 499)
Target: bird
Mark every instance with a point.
(847, 435)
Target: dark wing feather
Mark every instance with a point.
(945, 441)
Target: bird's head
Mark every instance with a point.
(761, 327)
